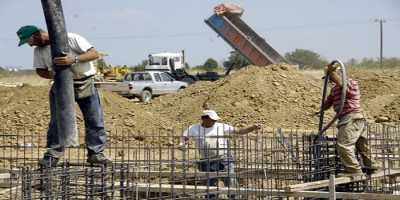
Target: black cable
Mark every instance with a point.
(342, 98)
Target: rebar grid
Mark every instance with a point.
(153, 166)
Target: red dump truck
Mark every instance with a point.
(227, 23)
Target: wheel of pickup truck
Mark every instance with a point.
(145, 96)
(181, 88)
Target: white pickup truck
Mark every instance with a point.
(145, 85)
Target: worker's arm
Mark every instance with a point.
(44, 73)
(247, 130)
(89, 55)
(327, 104)
(184, 139)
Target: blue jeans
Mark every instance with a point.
(223, 165)
(92, 112)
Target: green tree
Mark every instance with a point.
(2, 71)
(235, 61)
(392, 62)
(368, 63)
(101, 65)
(187, 66)
(306, 59)
(210, 64)
(140, 66)
(352, 62)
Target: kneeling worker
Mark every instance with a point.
(211, 140)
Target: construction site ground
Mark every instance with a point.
(272, 96)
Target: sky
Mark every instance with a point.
(129, 30)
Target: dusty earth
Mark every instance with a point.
(273, 96)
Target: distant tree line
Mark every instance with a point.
(307, 59)
(388, 63)
(304, 58)
(209, 65)
(140, 66)
(1, 71)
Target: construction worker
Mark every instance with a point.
(81, 57)
(352, 126)
(211, 140)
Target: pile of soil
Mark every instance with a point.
(273, 96)
(380, 93)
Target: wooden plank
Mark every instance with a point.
(5, 176)
(332, 187)
(343, 195)
(3, 84)
(201, 190)
(10, 190)
(341, 180)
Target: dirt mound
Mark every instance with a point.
(28, 108)
(274, 96)
(380, 92)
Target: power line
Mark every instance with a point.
(199, 34)
(151, 36)
(307, 26)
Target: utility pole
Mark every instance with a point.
(381, 21)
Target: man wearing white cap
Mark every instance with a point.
(210, 139)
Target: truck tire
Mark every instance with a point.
(181, 89)
(145, 96)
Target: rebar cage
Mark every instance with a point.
(151, 165)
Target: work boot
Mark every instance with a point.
(98, 158)
(370, 170)
(48, 161)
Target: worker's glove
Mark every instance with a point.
(256, 127)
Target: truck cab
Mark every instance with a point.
(171, 63)
(165, 62)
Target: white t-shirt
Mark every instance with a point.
(78, 45)
(211, 142)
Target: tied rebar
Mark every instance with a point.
(262, 165)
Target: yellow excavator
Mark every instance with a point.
(107, 72)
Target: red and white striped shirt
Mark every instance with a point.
(352, 102)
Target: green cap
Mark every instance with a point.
(25, 32)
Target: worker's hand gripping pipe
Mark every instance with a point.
(322, 129)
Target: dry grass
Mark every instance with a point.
(30, 79)
(313, 73)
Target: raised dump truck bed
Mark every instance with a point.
(244, 39)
